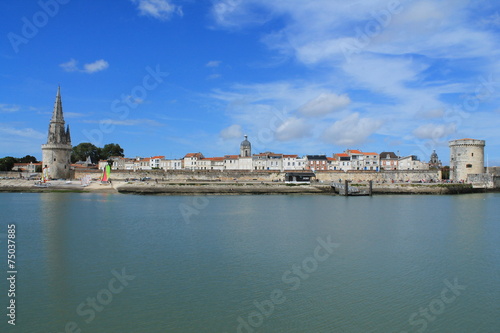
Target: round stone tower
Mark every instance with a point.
(245, 148)
(466, 157)
(56, 153)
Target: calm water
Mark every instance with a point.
(253, 263)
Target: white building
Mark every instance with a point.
(294, 162)
(191, 161)
(155, 162)
(268, 161)
(388, 160)
(174, 164)
(412, 162)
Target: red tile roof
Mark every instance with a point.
(193, 155)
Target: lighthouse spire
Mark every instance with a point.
(57, 114)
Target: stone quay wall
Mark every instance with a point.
(382, 176)
(267, 176)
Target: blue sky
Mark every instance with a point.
(170, 77)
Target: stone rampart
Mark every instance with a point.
(269, 176)
(382, 176)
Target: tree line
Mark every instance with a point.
(86, 149)
(7, 162)
(78, 153)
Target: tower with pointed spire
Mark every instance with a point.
(56, 153)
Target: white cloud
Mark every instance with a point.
(324, 104)
(159, 9)
(238, 13)
(352, 130)
(9, 108)
(13, 133)
(232, 132)
(93, 67)
(293, 128)
(96, 66)
(213, 63)
(73, 114)
(434, 131)
(70, 66)
(126, 122)
(410, 69)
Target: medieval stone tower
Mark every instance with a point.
(245, 148)
(466, 157)
(56, 153)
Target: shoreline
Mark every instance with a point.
(232, 188)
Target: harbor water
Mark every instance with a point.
(105, 263)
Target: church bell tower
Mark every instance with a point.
(56, 153)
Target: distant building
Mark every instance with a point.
(293, 162)
(191, 161)
(412, 162)
(466, 157)
(56, 153)
(246, 148)
(434, 162)
(27, 167)
(155, 161)
(353, 159)
(342, 161)
(267, 161)
(245, 158)
(388, 160)
(316, 162)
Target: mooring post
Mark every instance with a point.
(346, 193)
(371, 188)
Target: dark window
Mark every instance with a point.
(468, 166)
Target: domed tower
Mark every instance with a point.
(466, 157)
(56, 153)
(245, 148)
(434, 162)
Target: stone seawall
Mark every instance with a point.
(229, 175)
(382, 176)
(227, 188)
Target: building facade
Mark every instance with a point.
(466, 157)
(388, 160)
(56, 153)
(412, 162)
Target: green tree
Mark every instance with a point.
(27, 159)
(111, 149)
(84, 150)
(7, 163)
(445, 172)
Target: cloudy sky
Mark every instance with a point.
(169, 77)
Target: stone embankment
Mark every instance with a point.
(221, 188)
(229, 188)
